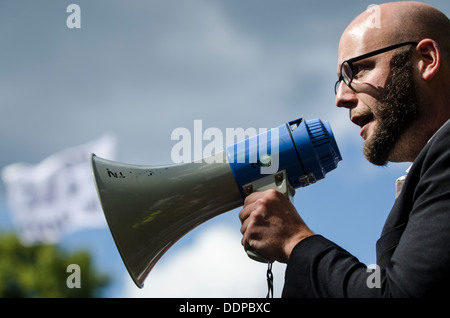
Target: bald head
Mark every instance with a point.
(397, 22)
(416, 20)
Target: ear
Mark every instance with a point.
(430, 58)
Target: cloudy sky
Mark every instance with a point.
(140, 69)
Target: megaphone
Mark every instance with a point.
(149, 208)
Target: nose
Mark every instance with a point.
(345, 96)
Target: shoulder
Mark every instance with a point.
(437, 150)
(442, 134)
(428, 177)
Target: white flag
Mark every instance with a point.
(56, 196)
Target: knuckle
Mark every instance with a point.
(274, 194)
(247, 200)
(260, 208)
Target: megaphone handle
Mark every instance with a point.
(257, 257)
(278, 182)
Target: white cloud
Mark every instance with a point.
(213, 265)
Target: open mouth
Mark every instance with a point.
(362, 120)
(365, 120)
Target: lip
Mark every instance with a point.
(363, 121)
(363, 130)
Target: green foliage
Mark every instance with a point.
(41, 271)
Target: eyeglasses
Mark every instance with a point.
(347, 66)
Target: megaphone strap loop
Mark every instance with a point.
(269, 280)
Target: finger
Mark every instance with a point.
(253, 197)
(246, 210)
(245, 243)
(244, 225)
(250, 204)
(248, 239)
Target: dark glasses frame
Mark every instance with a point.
(346, 70)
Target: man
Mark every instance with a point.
(395, 81)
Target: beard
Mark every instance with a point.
(396, 111)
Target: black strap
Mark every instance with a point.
(269, 280)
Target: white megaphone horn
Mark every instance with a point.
(149, 208)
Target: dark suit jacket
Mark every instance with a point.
(413, 252)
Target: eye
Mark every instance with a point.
(361, 68)
(358, 70)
